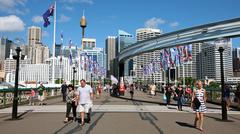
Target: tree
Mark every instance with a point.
(214, 84)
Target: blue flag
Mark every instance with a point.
(47, 14)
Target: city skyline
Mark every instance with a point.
(104, 20)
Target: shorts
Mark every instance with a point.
(84, 107)
(40, 98)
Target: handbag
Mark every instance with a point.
(164, 97)
(196, 103)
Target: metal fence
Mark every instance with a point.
(215, 96)
(6, 95)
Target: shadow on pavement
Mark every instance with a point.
(20, 116)
(74, 127)
(184, 124)
(148, 117)
(218, 119)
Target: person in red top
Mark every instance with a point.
(99, 89)
(188, 93)
(31, 97)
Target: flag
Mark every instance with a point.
(70, 53)
(114, 80)
(47, 14)
(61, 36)
(61, 46)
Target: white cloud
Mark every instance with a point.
(13, 6)
(37, 19)
(63, 18)
(87, 1)
(90, 2)
(154, 22)
(45, 34)
(11, 23)
(174, 24)
(68, 8)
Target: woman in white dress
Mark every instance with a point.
(200, 94)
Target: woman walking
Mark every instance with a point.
(179, 95)
(131, 91)
(198, 104)
(71, 100)
(168, 93)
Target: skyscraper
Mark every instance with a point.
(144, 59)
(5, 46)
(110, 46)
(34, 41)
(125, 39)
(211, 60)
(88, 43)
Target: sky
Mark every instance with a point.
(106, 17)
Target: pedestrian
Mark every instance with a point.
(99, 89)
(237, 95)
(226, 96)
(188, 93)
(199, 96)
(64, 91)
(41, 93)
(32, 97)
(168, 93)
(179, 94)
(85, 100)
(131, 91)
(71, 103)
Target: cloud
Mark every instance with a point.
(63, 18)
(13, 6)
(45, 34)
(37, 19)
(174, 24)
(11, 23)
(154, 22)
(90, 2)
(68, 8)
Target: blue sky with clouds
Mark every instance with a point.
(105, 17)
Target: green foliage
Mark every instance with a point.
(214, 85)
(59, 81)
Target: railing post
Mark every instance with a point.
(4, 98)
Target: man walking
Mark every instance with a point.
(64, 91)
(85, 100)
(41, 93)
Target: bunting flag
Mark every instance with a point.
(61, 36)
(70, 52)
(189, 50)
(47, 14)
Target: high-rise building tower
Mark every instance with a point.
(83, 25)
(144, 59)
(88, 43)
(211, 60)
(110, 46)
(34, 40)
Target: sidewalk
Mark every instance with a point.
(141, 121)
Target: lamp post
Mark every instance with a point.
(91, 79)
(15, 99)
(224, 109)
(74, 71)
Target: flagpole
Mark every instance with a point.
(54, 42)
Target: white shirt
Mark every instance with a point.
(84, 94)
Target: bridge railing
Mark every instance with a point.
(215, 96)
(6, 95)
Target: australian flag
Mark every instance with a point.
(47, 14)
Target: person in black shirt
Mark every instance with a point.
(64, 91)
(168, 93)
(179, 94)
